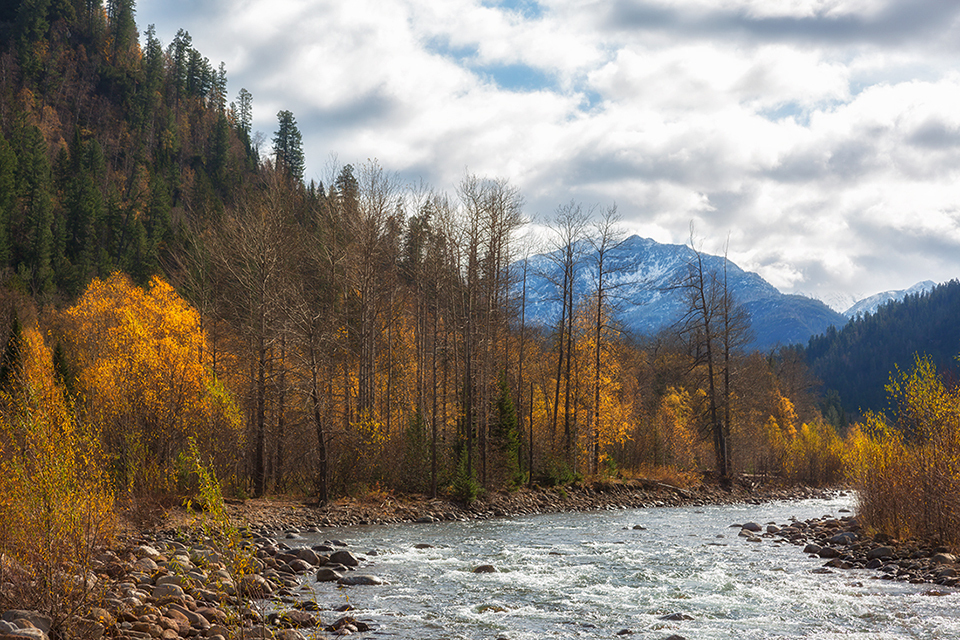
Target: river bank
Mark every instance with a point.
(170, 581)
(378, 508)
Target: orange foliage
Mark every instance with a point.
(140, 358)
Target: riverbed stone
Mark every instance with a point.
(34, 618)
(485, 568)
(880, 552)
(168, 590)
(352, 580)
(326, 574)
(944, 558)
(345, 558)
(752, 526)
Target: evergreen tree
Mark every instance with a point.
(11, 362)
(288, 147)
(36, 225)
(8, 196)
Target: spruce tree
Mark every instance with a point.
(288, 147)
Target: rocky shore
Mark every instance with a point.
(843, 544)
(173, 582)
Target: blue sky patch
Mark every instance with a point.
(518, 77)
(529, 9)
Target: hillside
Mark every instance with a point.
(110, 153)
(644, 276)
(857, 360)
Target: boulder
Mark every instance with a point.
(485, 568)
(255, 586)
(944, 558)
(39, 620)
(812, 548)
(345, 558)
(880, 552)
(167, 590)
(846, 538)
(752, 526)
(829, 552)
(326, 574)
(307, 555)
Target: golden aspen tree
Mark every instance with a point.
(56, 508)
(146, 388)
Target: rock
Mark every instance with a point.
(345, 558)
(676, 616)
(300, 566)
(625, 632)
(289, 634)
(326, 574)
(255, 586)
(167, 590)
(354, 580)
(772, 528)
(307, 555)
(293, 619)
(944, 558)
(258, 632)
(485, 568)
(752, 526)
(146, 564)
(423, 545)
(812, 548)
(880, 552)
(829, 552)
(20, 634)
(35, 618)
(146, 551)
(846, 538)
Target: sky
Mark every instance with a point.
(819, 140)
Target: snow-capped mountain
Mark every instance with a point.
(874, 302)
(643, 277)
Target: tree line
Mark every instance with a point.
(359, 334)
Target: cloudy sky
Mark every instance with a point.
(822, 137)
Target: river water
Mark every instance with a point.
(592, 575)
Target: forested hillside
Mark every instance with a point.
(170, 286)
(858, 360)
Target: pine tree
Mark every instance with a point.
(288, 147)
(8, 172)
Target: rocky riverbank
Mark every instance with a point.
(173, 582)
(844, 545)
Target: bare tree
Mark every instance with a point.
(606, 238)
(569, 232)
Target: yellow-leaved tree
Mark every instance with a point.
(140, 357)
(56, 507)
(907, 470)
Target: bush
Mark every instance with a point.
(907, 471)
(56, 507)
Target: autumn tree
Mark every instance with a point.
(147, 391)
(249, 255)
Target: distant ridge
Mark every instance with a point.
(874, 302)
(644, 271)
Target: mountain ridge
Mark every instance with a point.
(643, 277)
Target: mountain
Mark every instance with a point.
(643, 273)
(874, 302)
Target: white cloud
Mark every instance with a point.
(821, 136)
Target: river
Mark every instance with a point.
(592, 575)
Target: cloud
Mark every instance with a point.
(812, 133)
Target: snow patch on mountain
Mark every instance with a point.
(871, 304)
